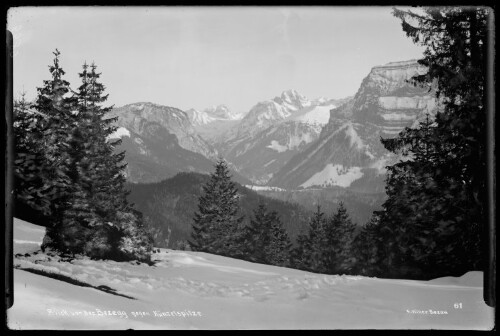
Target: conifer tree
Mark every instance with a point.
(28, 162)
(279, 246)
(217, 226)
(339, 232)
(55, 124)
(266, 239)
(116, 228)
(79, 178)
(299, 251)
(309, 253)
(365, 249)
(258, 234)
(437, 201)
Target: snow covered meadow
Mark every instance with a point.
(194, 290)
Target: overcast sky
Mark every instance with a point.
(195, 57)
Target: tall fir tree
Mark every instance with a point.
(68, 163)
(116, 228)
(29, 185)
(298, 253)
(366, 248)
(258, 236)
(279, 247)
(55, 124)
(339, 231)
(309, 252)
(437, 201)
(266, 239)
(218, 225)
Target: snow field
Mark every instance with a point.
(334, 175)
(194, 290)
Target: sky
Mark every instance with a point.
(197, 57)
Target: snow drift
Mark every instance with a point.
(191, 290)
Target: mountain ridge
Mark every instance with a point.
(272, 132)
(348, 152)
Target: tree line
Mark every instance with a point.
(218, 228)
(67, 171)
(169, 207)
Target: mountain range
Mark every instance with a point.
(161, 141)
(289, 142)
(272, 132)
(290, 149)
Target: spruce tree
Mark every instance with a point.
(298, 253)
(82, 181)
(278, 249)
(437, 200)
(101, 203)
(55, 124)
(365, 249)
(266, 239)
(258, 234)
(29, 185)
(309, 252)
(217, 226)
(339, 232)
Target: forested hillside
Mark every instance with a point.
(169, 206)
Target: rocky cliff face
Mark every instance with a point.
(348, 152)
(387, 99)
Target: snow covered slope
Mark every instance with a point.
(315, 115)
(212, 114)
(191, 290)
(199, 117)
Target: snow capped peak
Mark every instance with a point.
(290, 94)
(292, 100)
(221, 112)
(199, 117)
(211, 114)
(289, 106)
